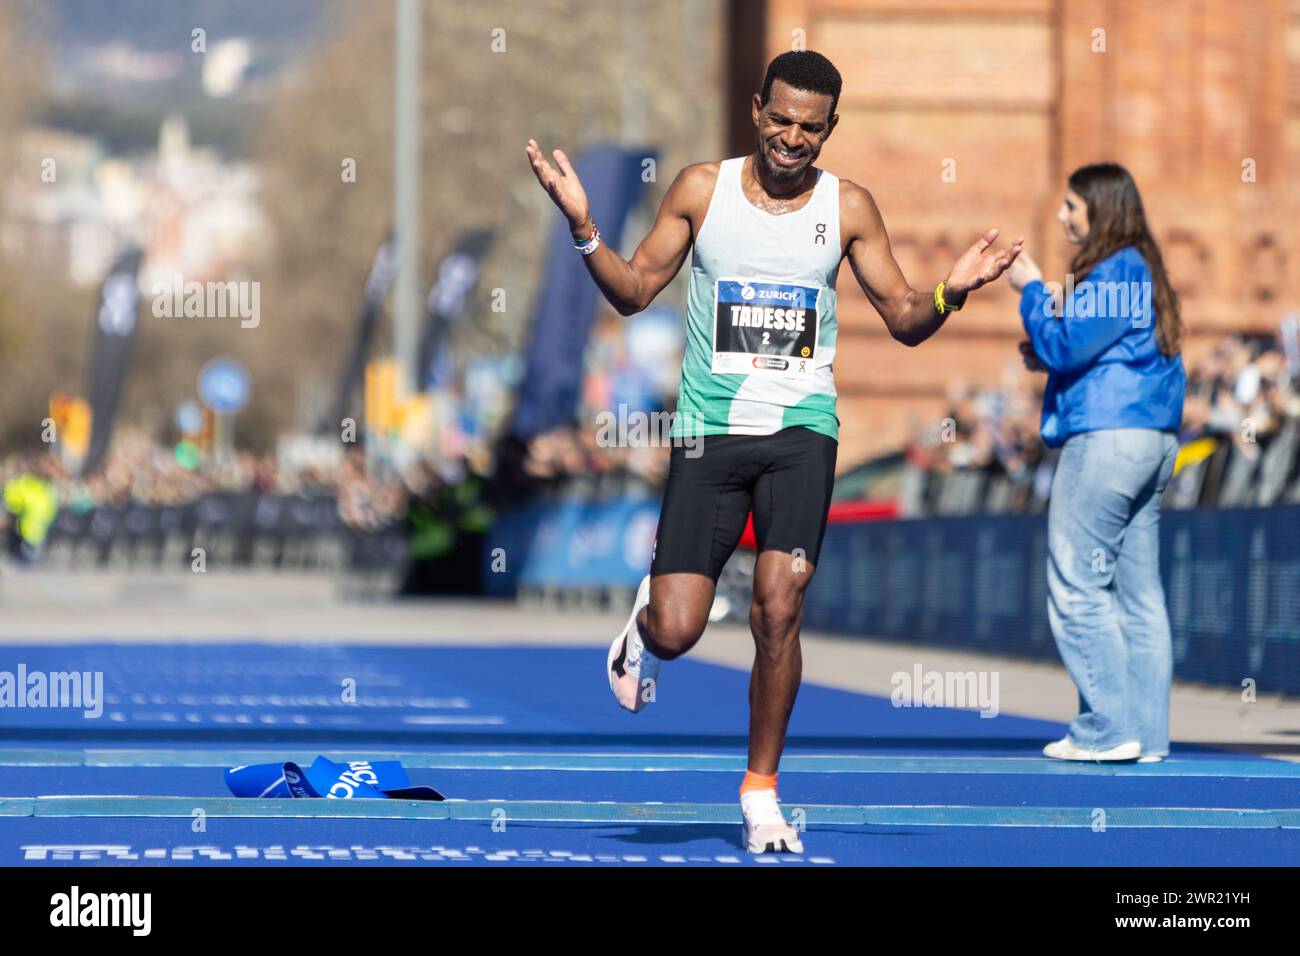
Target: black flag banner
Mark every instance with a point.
(613, 177)
(458, 273)
(383, 270)
(115, 322)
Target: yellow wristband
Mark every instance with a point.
(940, 305)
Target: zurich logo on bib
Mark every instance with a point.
(765, 327)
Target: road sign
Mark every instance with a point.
(224, 386)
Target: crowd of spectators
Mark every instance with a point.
(1242, 390)
(138, 471)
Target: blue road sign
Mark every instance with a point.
(224, 386)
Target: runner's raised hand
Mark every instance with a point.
(562, 184)
(980, 264)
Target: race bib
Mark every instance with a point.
(765, 327)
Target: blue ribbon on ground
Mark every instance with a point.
(354, 780)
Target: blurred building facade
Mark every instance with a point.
(1200, 99)
(71, 203)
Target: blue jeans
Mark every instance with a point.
(1104, 598)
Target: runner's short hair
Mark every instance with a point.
(804, 70)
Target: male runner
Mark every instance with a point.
(768, 231)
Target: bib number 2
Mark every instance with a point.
(765, 327)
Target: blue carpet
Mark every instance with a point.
(538, 724)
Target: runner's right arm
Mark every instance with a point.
(629, 286)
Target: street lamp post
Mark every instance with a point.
(406, 195)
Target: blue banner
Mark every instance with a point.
(572, 543)
(458, 274)
(566, 307)
(1231, 578)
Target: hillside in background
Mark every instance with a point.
(156, 24)
(117, 67)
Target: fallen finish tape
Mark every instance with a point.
(353, 780)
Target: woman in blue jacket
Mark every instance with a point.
(1109, 341)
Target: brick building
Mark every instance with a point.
(1200, 99)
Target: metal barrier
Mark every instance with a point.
(233, 530)
(1261, 473)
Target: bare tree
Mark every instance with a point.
(41, 315)
(568, 73)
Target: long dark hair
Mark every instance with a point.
(1116, 219)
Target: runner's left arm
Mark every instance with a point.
(909, 314)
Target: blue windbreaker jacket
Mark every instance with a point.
(1105, 368)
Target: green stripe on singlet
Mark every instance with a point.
(816, 413)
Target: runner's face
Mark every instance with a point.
(792, 127)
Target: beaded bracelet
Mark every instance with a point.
(591, 244)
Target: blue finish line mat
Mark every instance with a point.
(540, 767)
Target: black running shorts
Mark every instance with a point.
(785, 478)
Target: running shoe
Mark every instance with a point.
(765, 828)
(629, 664)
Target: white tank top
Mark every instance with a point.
(760, 315)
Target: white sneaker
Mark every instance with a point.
(1151, 758)
(765, 828)
(628, 653)
(1067, 749)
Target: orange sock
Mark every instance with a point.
(757, 781)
